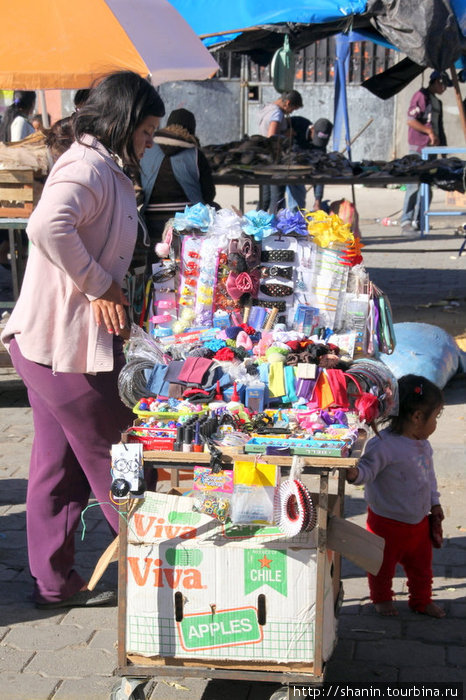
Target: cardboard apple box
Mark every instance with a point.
(200, 590)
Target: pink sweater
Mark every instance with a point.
(83, 233)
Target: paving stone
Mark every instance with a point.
(456, 656)
(92, 618)
(22, 686)
(13, 539)
(13, 659)
(342, 670)
(404, 653)
(47, 637)
(104, 639)
(95, 688)
(427, 629)
(166, 689)
(73, 662)
(14, 593)
(432, 674)
(367, 627)
(458, 609)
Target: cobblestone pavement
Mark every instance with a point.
(70, 655)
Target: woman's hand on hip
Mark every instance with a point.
(109, 309)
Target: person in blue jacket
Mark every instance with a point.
(174, 173)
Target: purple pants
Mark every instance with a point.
(77, 417)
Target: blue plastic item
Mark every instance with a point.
(426, 350)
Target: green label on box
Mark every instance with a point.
(222, 629)
(236, 532)
(265, 567)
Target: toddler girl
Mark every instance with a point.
(401, 491)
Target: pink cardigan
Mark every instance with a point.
(83, 233)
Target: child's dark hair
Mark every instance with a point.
(415, 393)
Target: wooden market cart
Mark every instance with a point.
(135, 670)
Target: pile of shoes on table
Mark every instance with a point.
(260, 155)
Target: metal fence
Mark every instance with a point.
(314, 64)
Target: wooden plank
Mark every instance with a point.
(16, 176)
(16, 194)
(217, 663)
(184, 460)
(361, 547)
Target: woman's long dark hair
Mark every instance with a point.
(23, 103)
(114, 109)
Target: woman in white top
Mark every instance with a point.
(15, 124)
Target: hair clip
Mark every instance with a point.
(164, 290)
(278, 255)
(193, 254)
(192, 266)
(186, 302)
(418, 390)
(276, 290)
(191, 283)
(187, 292)
(276, 271)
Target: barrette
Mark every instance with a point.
(191, 283)
(193, 254)
(164, 274)
(277, 256)
(187, 292)
(206, 291)
(276, 290)
(276, 271)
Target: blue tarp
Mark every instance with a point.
(430, 36)
(427, 350)
(213, 16)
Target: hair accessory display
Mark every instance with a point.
(276, 290)
(275, 271)
(277, 256)
(279, 305)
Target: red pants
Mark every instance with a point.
(410, 546)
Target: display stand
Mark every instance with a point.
(424, 193)
(136, 670)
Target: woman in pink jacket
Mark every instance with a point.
(64, 334)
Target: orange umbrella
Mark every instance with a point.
(68, 44)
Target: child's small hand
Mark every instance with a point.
(352, 474)
(437, 512)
